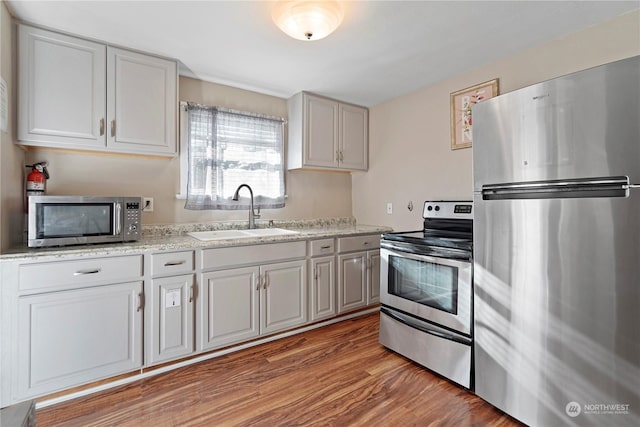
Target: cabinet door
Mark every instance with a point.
(323, 287)
(74, 337)
(141, 103)
(284, 296)
(170, 319)
(354, 137)
(230, 307)
(352, 281)
(321, 132)
(61, 90)
(373, 267)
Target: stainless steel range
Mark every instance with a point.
(426, 291)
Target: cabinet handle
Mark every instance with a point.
(341, 156)
(191, 294)
(113, 128)
(258, 282)
(102, 127)
(83, 272)
(316, 273)
(365, 243)
(266, 281)
(325, 247)
(141, 300)
(337, 156)
(173, 263)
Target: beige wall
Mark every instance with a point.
(11, 157)
(310, 194)
(410, 155)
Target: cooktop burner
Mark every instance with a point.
(446, 225)
(423, 237)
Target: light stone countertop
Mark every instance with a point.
(174, 238)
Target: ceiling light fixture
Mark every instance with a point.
(307, 19)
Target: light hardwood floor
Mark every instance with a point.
(338, 375)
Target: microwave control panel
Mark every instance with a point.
(132, 209)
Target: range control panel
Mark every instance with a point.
(448, 209)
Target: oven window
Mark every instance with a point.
(74, 220)
(427, 283)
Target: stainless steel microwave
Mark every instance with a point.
(78, 220)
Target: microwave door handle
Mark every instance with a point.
(118, 219)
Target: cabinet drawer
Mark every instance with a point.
(166, 264)
(77, 273)
(358, 243)
(321, 247)
(252, 255)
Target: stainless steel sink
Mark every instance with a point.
(239, 234)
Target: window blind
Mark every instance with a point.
(227, 148)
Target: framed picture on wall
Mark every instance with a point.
(461, 103)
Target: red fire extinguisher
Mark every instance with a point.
(36, 180)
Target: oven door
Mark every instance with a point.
(432, 288)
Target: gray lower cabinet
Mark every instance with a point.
(352, 281)
(358, 272)
(170, 306)
(243, 303)
(230, 306)
(322, 279)
(283, 301)
(323, 287)
(170, 303)
(76, 336)
(373, 281)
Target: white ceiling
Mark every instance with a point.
(382, 50)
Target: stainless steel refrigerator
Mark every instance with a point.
(557, 249)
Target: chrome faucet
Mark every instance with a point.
(252, 214)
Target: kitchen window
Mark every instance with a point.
(222, 149)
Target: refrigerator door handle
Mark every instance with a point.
(615, 186)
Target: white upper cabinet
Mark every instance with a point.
(78, 94)
(61, 90)
(327, 134)
(142, 102)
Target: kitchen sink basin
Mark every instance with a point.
(239, 234)
(269, 232)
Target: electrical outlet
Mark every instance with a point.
(389, 208)
(147, 204)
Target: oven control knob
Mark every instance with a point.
(429, 208)
(437, 208)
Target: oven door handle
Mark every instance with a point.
(422, 326)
